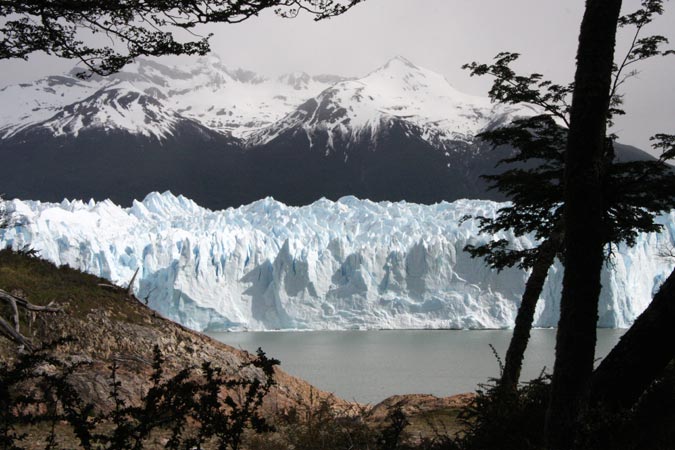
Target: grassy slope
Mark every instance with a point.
(76, 291)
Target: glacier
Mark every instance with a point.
(349, 264)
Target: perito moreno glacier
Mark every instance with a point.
(329, 265)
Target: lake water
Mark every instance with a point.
(369, 366)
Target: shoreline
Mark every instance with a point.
(342, 330)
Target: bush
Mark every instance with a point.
(327, 426)
(188, 410)
(502, 420)
(499, 420)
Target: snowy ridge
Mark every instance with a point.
(22, 105)
(120, 106)
(330, 265)
(401, 91)
(254, 108)
(228, 101)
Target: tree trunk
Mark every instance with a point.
(641, 354)
(521, 332)
(583, 223)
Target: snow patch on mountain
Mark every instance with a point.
(330, 265)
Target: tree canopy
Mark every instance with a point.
(131, 28)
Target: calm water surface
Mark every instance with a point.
(368, 366)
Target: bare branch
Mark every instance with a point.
(145, 28)
(25, 304)
(130, 288)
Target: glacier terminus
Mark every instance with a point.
(348, 264)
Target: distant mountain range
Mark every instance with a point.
(228, 137)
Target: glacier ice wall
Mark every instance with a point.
(330, 265)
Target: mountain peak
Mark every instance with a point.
(400, 61)
(402, 69)
(212, 66)
(399, 91)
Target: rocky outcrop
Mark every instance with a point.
(416, 404)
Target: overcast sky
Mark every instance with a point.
(440, 35)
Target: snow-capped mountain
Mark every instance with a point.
(121, 107)
(398, 91)
(227, 137)
(227, 101)
(250, 106)
(330, 265)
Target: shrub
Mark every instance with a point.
(189, 409)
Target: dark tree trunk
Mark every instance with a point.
(583, 223)
(641, 354)
(521, 332)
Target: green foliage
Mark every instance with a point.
(534, 174)
(500, 421)
(665, 143)
(511, 88)
(534, 187)
(139, 27)
(193, 407)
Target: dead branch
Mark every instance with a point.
(13, 333)
(25, 304)
(130, 288)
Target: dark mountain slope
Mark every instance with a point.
(194, 161)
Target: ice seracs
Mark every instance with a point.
(329, 265)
